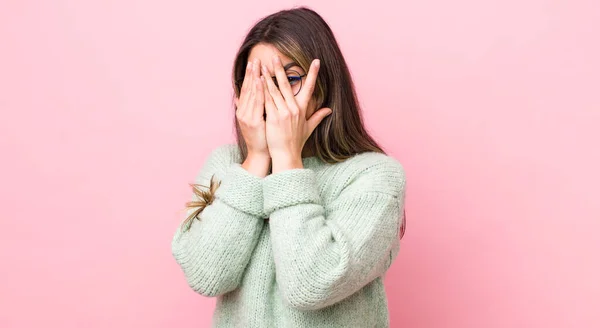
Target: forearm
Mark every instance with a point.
(215, 250)
(322, 257)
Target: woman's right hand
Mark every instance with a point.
(250, 108)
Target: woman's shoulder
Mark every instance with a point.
(373, 171)
(225, 154)
(217, 162)
(374, 163)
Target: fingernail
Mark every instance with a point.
(249, 64)
(276, 58)
(317, 62)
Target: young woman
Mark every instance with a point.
(296, 224)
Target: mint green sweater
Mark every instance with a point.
(320, 259)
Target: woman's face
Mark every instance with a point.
(265, 52)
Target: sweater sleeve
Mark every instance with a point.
(216, 249)
(324, 254)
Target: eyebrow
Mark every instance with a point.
(289, 65)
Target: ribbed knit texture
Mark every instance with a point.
(320, 259)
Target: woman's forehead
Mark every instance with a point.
(265, 52)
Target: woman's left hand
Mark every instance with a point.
(287, 128)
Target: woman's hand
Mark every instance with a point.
(287, 128)
(250, 115)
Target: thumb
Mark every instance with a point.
(317, 117)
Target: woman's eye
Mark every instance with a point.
(293, 79)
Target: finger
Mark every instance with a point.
(273, 91)
(249, 104)
(246, 84)
(255, 69)
(284, 85)
(252, 94)
(259, 100)
(259, 96)
(245, 92)
(270, 107)
(317, 117)
(311, 79)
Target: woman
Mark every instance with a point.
(298, 221)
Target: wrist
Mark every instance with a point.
(257, 164)
(286, 162)
(259, 156)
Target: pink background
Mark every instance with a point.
(110, 107)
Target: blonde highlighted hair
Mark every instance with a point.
(204, 196)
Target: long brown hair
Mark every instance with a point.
(303, 35)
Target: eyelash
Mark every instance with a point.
(293, 79)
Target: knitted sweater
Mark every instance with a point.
(320, 259)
